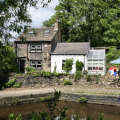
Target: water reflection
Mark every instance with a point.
(82, 110)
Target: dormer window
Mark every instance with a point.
(35, 47)
(32, 32)
(46, 32)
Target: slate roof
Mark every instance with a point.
(96, 54)
(75, 48)
(38, 34)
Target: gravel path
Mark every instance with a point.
(64, 89)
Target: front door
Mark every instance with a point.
(21, 65)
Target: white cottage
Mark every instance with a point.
(75, 51)
(93, 60)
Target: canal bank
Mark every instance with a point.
(30, 95)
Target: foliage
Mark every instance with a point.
(68, 65)
(67, 82)
(97, 77)
(89, 78)
(96, 21)
(30, 69)
(112, 54)
(45, 99)
(49, 23)
(7, 59)
(12, 116)
(79, 65)
(78, 75)
(10, 83)
(101, 116)
(14, 16)
(46, 74)
(83, 100)
(13, 83)
(17, 84)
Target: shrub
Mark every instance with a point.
(36, 74)
(79, 65)
(83, 100)
(78, 75)
(30, 69)
(17, 84)
(10, 83)
(67, 82)
(68, 65)
(45, 99)
(46, 74)
(89, 78)
(56, 74)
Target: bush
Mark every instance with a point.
(56, 74)
(79, 65)
(17, 84)
(10, 83)
(30, 69)
(67, 82)
(68, 65)
(83, 100)
(89, 78)
(78, 75)
(46, 74)
(36, 74)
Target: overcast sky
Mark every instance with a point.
(41, 14)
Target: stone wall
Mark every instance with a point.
(35, 80)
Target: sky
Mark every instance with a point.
(41, 14)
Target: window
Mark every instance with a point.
(94, 68)
(90, 60)
(100, 68)
(63, 64)
(100, 59)
(95, 59)
(36, 48)
(36, 64)
(89, 68)
(46, 32)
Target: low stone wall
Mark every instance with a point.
(33, 98)
(107, 100)
(24, 99)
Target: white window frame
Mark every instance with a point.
(36, 48)
(36, 63)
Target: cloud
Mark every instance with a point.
(41, 14)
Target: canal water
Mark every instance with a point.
(83, 110)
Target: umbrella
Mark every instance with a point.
(117, 61)
(111, 69)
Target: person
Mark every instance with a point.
(115, 72)
(119, 72)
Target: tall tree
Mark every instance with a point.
(97, 21)
(14, 15)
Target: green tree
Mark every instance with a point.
(97, 21)
(14, 16)
(7, 63)
(112, 54)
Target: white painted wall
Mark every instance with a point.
(56, 61)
